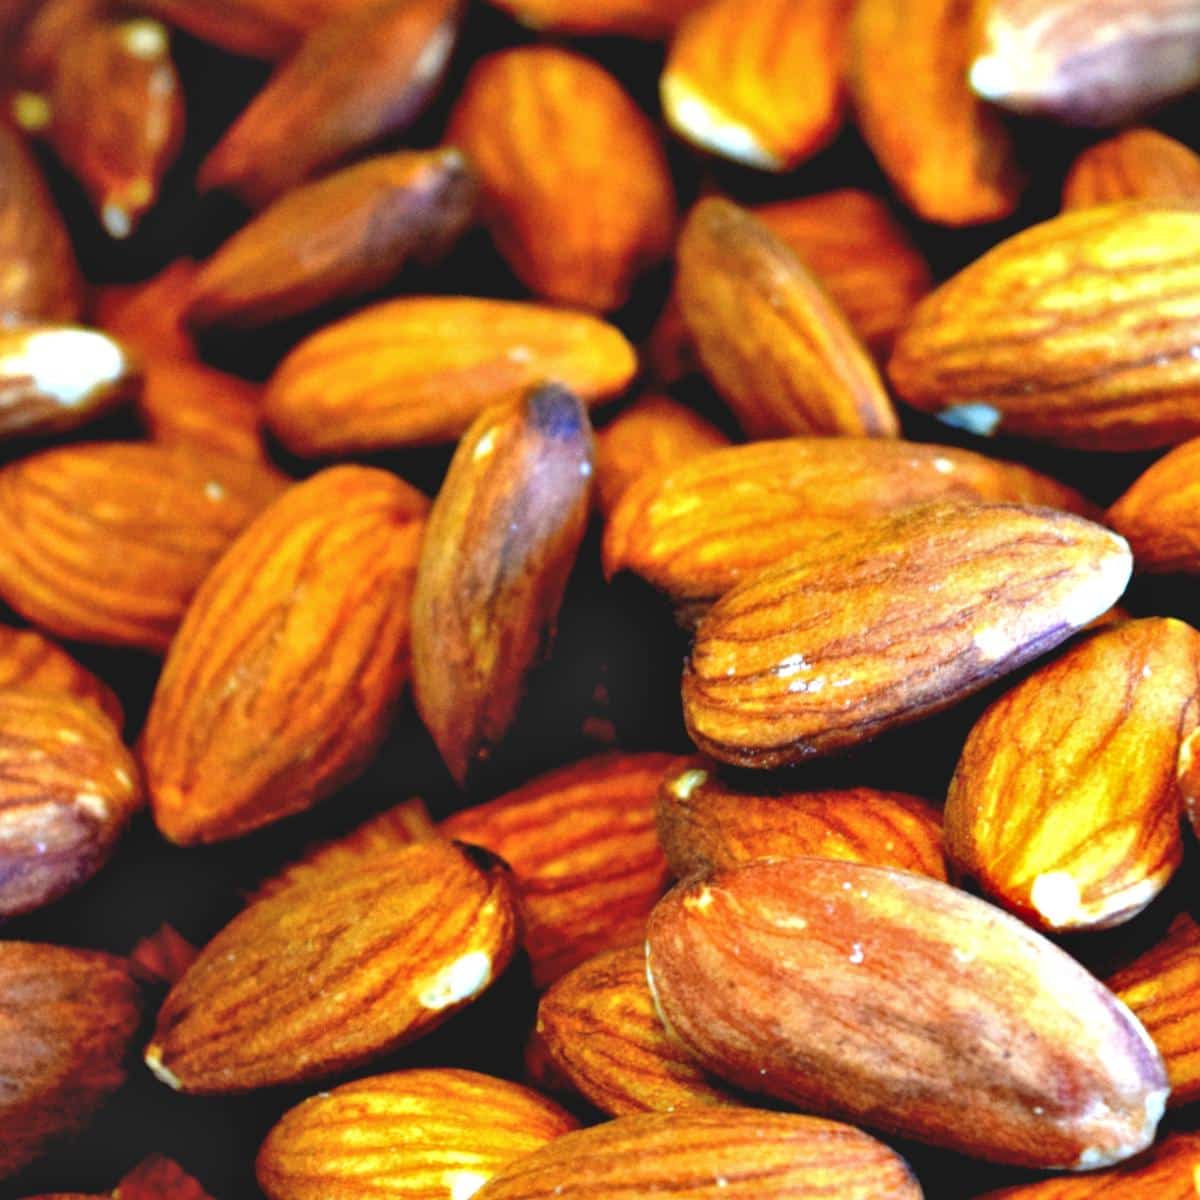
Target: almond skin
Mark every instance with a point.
(1077, 331)
(282, 680)
(159, 1178)
(541, 124)
(1189, 779)
(581, 843)
(1160, 514)
(631, 18)
(162, 957)
(28, 660)
(939, 998)
(776, 346)
(1139, 164)
(734, 1154)
(108, 542)
(1064, 806)
(704, 824)
(880, 625)
(437, 1134)
(499, 545)
(418, 371)
(324, 977)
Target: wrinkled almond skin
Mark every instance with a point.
(541, 125)
(939, 997)
(603, 1037)
(1139, 164)
(108, 542)
(66, 1019)
(326, 976)
(282, 680)
(339, 237)
(877, 626)
(705, 824)
(733, 1154)
(581, 843)
(499, 544)
(159, 1178)
(1078, 331)
(775, 345)
(1064, 807)
(29, 660)
(948, 155)
(1160, 514)
(633, 18)
(426, 1134)
(418, 371)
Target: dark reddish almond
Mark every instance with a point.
(159, 1178)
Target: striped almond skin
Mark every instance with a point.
(758, 81)
(1138, 164)
(1160, 513)
(880, 625)
(705, 824)
(29, 660)
(584, 854)
(776, 347)
(734, 1154)
(323, 977)
(603, 1037)
(419, 370)
(948, 155)
(108, 542)
(1065, 807)
(882, 997)
(284, 676)
(699, 529)
(436, 1134)
(652, 19)
(1078, 332)
(541, 124)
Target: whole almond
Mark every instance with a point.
(951, 1022)
(1139, 164)
(29, 660)
(1160, 513)
(632, 18)
(324, 977)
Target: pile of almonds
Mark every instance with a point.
(371, 441)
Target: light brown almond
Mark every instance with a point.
(1160, 513)
(1139, 164)
(29, 660)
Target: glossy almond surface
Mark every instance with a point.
(1160, 513)
(1139, 164)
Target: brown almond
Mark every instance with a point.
(162, 957)
(1160, 513)
(878, 626)
(159, 1178)
(631, 18)
(953, 1023)
(1188, 775)
(1138, 164)
(47, 30)
(418, 371)
(560, 146)
(283, 678)
(29, 660)
(148, 316)
(327, 976)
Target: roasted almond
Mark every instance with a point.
(326, 976)
(162, 957)
(159, 1178)
(1160, 514)
(632, 18)
(1139, 164)
(29, 660)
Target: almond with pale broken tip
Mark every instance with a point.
(880, 625)
(1160, 513)
(1138, 164)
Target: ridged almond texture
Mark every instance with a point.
(699, 529)
(68, 788)
(884, 997)
(633, 18)
(600, 1030)
(705, 824)
(339, 237)
(758, 81)
(1079, 331)
(418, 371)
(159, 1178)
(435, 1134)
(1139, 164)
(775, 345)
(947, 154)
(325, 977)
(66, 1019)
(706, 1154)
(29, 660)
(283, 678)
(1189, 779)
(353, 83)
(878, 626)
(499, 544)
(108, 542)
(560, 146)
(1064, 806)
(581, 843)
(1160, 514)
(1086, 62)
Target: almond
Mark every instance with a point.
(325, 977)
(499, 544)
(1139, 164)
(159, 1178)
(1189, 779)
(418, 371)
(108, 542)
(955, 1023)
(283, 678)
(1160, 514)
(776, 346)
(544, 125)
(632, 18)
(48, 27)
(148, 316)
(1078, 331)
(437, 1133)
(163, 957)
(29, 660)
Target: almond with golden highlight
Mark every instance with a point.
(1160, 513)
(1139, 164)
(29, 660)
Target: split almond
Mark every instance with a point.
(1139, 164)
(1160, 514)
(29, 660)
